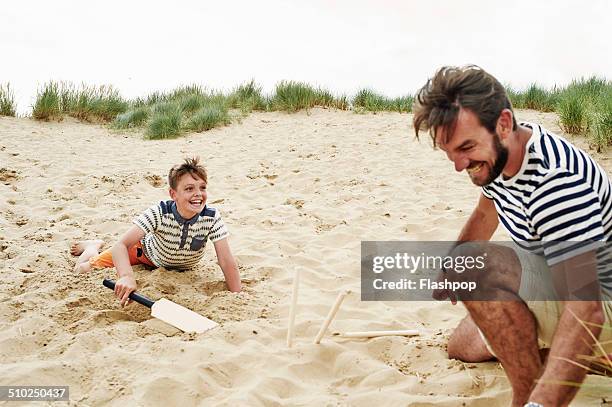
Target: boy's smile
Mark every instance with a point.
(190, 196)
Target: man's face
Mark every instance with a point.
(474, 149)
(189, 195)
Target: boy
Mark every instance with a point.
(171, 234)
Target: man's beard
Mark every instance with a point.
(501, 159)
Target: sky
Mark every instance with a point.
(389, 46)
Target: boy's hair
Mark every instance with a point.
(189, 166)
(438, 103)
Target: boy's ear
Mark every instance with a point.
(172, 193)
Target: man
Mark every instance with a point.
(556, 203)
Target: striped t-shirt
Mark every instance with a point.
(560, 194)
(174, 242)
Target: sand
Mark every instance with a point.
(297, 191)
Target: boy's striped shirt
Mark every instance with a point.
(174, 242)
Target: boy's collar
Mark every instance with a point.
(182, 220)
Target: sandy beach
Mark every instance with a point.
(297, 191)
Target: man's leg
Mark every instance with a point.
(510, 329)
(504, 319)
(466, 344)
(85, 249)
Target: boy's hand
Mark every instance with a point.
(124, 287)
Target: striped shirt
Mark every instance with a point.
(174, 242)
(559, 203)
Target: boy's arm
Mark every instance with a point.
(228, 265)
(126, 283)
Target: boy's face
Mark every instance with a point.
(190, 195)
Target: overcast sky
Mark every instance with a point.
(390, 46)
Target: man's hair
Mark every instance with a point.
(438, 103)
(189, 166)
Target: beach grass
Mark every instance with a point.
(572, 112)
(248, 97)
(541, 99)
(96, 103)
(86, 103)
(291, 96)
(371, 101)
(600, 120)
(584, 106)
(170, 114)
(48, 104)
(192, 102)
(342, 102)
(208, 117)
(8, 106)
(165, 121)
(134, 117)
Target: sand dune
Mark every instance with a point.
(297, 191)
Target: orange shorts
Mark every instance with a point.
(105, 259)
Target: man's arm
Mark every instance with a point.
(482, 223)
(480, 226)
(228, 265)
(126, 283)
(571, 339)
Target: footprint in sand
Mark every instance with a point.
(155, 180)
(79, 302)
(8, 176)
(211, 287)
(297, 203)
(107, 317)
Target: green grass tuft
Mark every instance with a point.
(165, 107)
(7, 101)
(208, 118)
(132, 118)
(600, 120)
(540, 99)
(402, 104)
(88, 103)
(192, 102)
(96, 103)
(290, 96)
(47, 105)
(368, 100)
(247, 97)
(341, 103)
(516, 98)
(572, 112)
(165, 121)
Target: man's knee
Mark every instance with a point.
(466, 344)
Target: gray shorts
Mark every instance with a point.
(536, 282)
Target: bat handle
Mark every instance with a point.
(141, 299)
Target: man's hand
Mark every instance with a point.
(443, 293)
(124, 287)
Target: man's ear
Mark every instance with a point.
(172, 193)
(504, 124)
